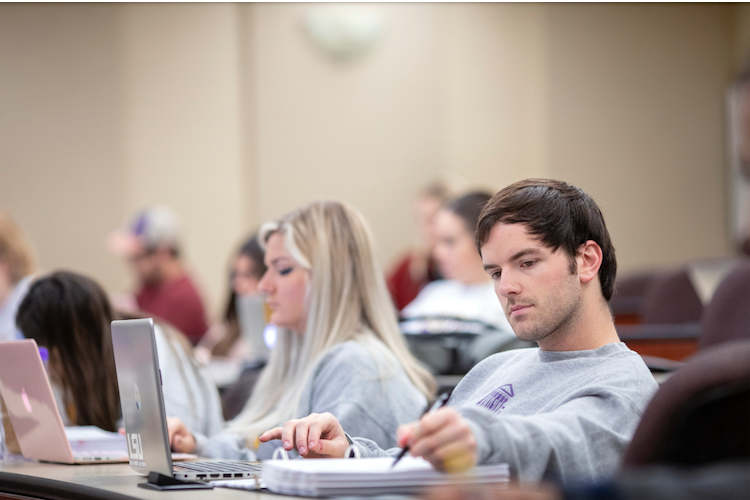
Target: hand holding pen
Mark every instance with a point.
(439, 403)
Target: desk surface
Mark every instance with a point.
(102, 481)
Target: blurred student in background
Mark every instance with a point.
(227, 339)
(70, 315)
(466, 293)
(338, 347)
(418, 267)
(16, 269)
(152, 244)
(466, 290)
(223, 339)
(740, 99)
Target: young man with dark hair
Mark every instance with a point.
(567, 409)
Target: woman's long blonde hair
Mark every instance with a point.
(347, 299)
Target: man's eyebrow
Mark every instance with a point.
(523, 253)
(516, 256)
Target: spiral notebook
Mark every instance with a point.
(363, 477)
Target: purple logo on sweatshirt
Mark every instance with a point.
(495, 401)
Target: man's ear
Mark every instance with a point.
(589, 260)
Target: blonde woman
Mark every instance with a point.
(338, 348)
(16, 274)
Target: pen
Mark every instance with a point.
(441, 401)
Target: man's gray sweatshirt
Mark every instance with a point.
(370, 400)
(568, 415)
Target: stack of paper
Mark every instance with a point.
(367, 476)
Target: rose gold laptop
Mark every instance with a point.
(37, 423)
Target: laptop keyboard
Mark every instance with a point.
(220, 466)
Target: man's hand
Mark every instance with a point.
(180, 439)
(315, 436)
(443, 438)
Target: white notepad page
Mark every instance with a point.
(367, 476)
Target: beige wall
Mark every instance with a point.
(365, 131)
(229, 114)
(626, 101)
(494, 92)
(61, 133)
(181, 118)
(637, 119)
(740, 36)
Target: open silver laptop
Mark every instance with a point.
(35, 417)
(258, 335)
(139, 380)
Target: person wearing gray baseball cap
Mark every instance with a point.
(152, 245)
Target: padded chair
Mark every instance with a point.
(701, 414)
(727, 316)
(627, 301)
(671, 298)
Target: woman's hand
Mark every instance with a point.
(315, 436)
(180, 439)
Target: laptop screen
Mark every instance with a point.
(30, 403)
(139, 381)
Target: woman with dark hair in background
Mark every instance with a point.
(416, 267)
(466, 294)
(70, 315)
(223, 339)
(467, 289)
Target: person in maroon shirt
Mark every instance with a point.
(416, 267)
(152, 246)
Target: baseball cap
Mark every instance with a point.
(156, 226)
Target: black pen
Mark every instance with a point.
(441, 401)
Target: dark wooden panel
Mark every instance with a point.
(676, 349)
(627, 319)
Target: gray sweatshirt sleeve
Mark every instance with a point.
(223, 445)
(365, 401)
(368, 400)
(582, 439)
(370, 449)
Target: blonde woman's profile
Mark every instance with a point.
(338, 350)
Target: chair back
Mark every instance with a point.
(701, 414)
(627, 301)
(671, 298)
(727, 316)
